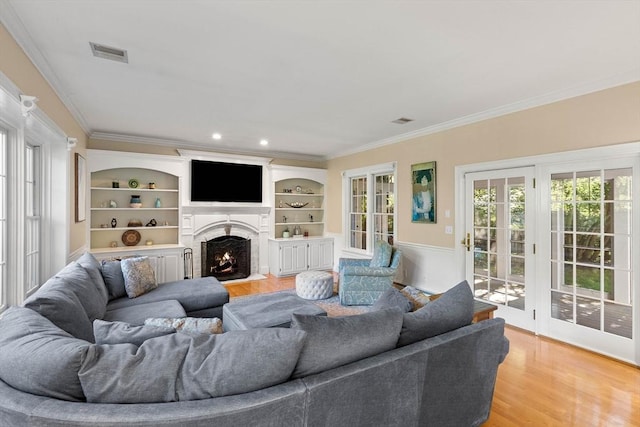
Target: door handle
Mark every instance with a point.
(467, 242)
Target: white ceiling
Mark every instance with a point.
(318, 78)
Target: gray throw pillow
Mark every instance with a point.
(139, 276)
(77, 279)
(58, 303)
(452, 310)
(182, 367)
(336, 341)
(113, 278)
(189, 325)
(393, 298)
(39, 358)
(92, 265)
(124, 333)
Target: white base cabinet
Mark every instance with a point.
(167, 263)
(291, 256)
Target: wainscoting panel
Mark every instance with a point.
(430, 268)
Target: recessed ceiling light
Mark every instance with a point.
(216, 136)
(264, 142)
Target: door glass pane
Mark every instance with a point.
(499, 246)
(594, 265)
(588, 312)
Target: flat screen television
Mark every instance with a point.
(225, 182)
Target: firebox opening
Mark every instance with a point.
(226, 258)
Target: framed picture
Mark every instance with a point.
(423, 190)
(81, 187)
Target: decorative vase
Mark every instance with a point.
(135, 201)
(158, 202)
(285, 233)
(114, 222)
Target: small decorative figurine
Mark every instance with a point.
(114, 222)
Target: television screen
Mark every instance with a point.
(225, 182)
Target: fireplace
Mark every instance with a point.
(226, 257)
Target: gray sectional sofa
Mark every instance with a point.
(383, 368)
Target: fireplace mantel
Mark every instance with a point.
(228, 209)
(207, 221)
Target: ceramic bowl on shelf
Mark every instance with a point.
(297, 205)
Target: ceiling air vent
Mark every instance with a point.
(402, 121)
(106, 52)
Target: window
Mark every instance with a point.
(34, 199)
(32, 217)
(3, 217)
(370, 206)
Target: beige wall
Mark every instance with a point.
(21, 71)
(602, 118)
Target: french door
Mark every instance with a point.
(499, 231)
(590, 211)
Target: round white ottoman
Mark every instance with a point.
(314, 285)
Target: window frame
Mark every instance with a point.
(34, 129)
(368, 173)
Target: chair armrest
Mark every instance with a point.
(355, 270)
(343, 262)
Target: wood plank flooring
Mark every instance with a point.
(542, 382)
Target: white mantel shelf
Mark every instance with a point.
(214, 209)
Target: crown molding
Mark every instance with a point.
(560, 95)
(202, 148)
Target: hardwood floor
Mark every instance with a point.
(542, 382)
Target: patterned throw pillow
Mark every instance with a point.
(195, 325)
(381, 254)
(417, 297)
(139, 277)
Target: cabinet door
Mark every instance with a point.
(321, 255)
(293, 258)
(172, 267)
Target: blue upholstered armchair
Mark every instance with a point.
(362, 281)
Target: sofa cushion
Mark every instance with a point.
(78, 280)
(121, 332)
(194, 294)
(392, 298)
(39, 358)
(182, 367)
(113, 278)
(58, 303)
(137, 314)
(190, 325)
(336, 341)
(381, 254)
(92, 265)
(452, 310)
(139, 277)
